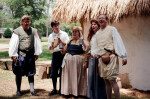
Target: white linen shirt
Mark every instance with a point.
(14, 43)
(62, 35)
(94, 46)
(118, 44)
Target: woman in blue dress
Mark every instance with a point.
(74, 75)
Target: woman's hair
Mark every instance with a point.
(91, 32)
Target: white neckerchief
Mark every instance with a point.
(55, 35)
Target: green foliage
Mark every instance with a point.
(4, 41)
(46, 54)
(44, 39)
(34, 8)
(39, 10)
(50, 30)
(7, 33)
(4, 20)
(66, 27)
(4, 55)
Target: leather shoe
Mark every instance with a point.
(18, 93)
(34, 94)
(59, 92)
(53, 92)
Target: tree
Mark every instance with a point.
(50, 5)
(34, 8)
(66, 27)
(7, 33)
(4, 19)
(39, 10)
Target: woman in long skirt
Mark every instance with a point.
(74, 75)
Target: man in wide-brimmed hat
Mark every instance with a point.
(56, 40)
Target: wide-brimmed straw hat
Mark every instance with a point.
(76, 28)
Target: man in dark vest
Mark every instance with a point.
(24, 48)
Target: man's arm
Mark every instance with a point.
(65, 39)
(50, 42)
(37, 46)
(119, 46)
(13, 47)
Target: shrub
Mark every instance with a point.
(7, 33)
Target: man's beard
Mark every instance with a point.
(26, 27)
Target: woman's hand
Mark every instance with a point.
(85, 64)
(84, 44)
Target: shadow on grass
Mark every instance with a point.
(3, 67)
(42, 94)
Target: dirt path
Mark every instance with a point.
(4, 47)
(8, 86)
(44, 86)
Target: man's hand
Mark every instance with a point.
(124, 62)
(36, 57)
(60, 41)
(15, 58)
(63, 51)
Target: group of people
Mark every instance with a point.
(71, 58)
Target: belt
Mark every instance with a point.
(99, 56)
(26, 50)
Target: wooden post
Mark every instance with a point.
(5, 62)
(82, 25)
(6, 65)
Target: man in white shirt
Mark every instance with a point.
(110, 46)
(24, 48)
(57, 57)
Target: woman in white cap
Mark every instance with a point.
(74, 75)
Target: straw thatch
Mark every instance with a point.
(83, 10)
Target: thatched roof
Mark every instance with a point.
(83, 10)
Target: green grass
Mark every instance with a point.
(46, 54)
(4, 40)
(4, 55)
(44, 39)
(122, 96)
